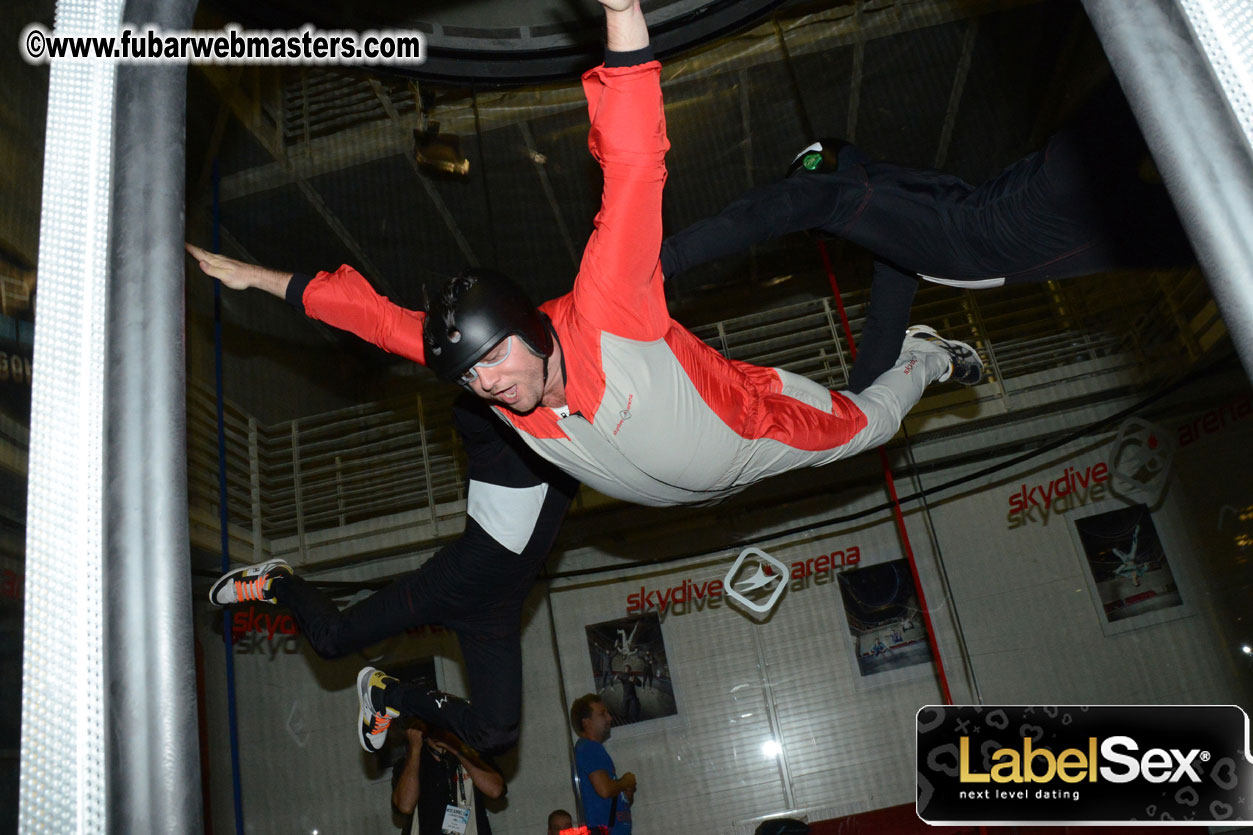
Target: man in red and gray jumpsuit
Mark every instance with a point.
(636, 407)
(643, 410)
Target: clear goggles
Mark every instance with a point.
(471, 374)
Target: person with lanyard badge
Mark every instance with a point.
(442, 784)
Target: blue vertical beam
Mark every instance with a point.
(224, 518)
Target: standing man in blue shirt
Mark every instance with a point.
(607, 798)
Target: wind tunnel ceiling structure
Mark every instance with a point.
(316, 167)
(507, 40)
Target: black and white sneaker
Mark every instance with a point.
(965, 367)
(250, 584)
(374, 717)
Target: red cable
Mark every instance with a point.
(839, 300)
(891, 485)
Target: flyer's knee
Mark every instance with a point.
(494, 739)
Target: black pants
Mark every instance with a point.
(1076, 207)
(489, 635)
(632, 708)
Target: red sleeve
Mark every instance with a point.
(345, 300)
(619, 287)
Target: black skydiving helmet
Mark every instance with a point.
(472, 313)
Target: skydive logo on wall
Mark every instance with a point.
(1140, 459)
(1067, 764)
(692, 596)
(264, 633)
(1071, 488)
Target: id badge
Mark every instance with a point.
(456, 819)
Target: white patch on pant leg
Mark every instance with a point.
(805, 390)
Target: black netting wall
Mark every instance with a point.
(1070, 526)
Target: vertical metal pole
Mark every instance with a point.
(1204, 156)
(426, 460)
(300, 499)
(254, 488)
(798, 91)
(722, 339)
(746, 145)
(565, 703)
(153, 764)
(981, 335)
(854, 79)
(546, 184)
(772, 713)
(955, 92)
(487, 192)
(835, 337)
(339, 490)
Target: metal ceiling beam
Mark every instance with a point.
(363, 261)
(746, 144)
(232, 244)
(249, 112)
(215, 137)
(855, 76)
(1080, 66)
(547, 186)
(398, 126)
(955, 93)
(806, 34)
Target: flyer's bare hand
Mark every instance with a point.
(625, 29)
(238, 275)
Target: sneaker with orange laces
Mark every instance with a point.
(250, 584)
(375, 716)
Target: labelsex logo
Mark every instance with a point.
(1076, 763)
(1156, 765)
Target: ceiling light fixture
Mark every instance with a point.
(439, 152)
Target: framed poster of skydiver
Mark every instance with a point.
(1128, 574)
(885, 629)
(630, 669)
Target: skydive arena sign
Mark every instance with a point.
(1084, 765)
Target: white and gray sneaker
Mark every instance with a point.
(964, 366)
(374, 717)
(250, 584)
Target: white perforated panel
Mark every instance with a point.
(63, 722)
(1224, 29)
